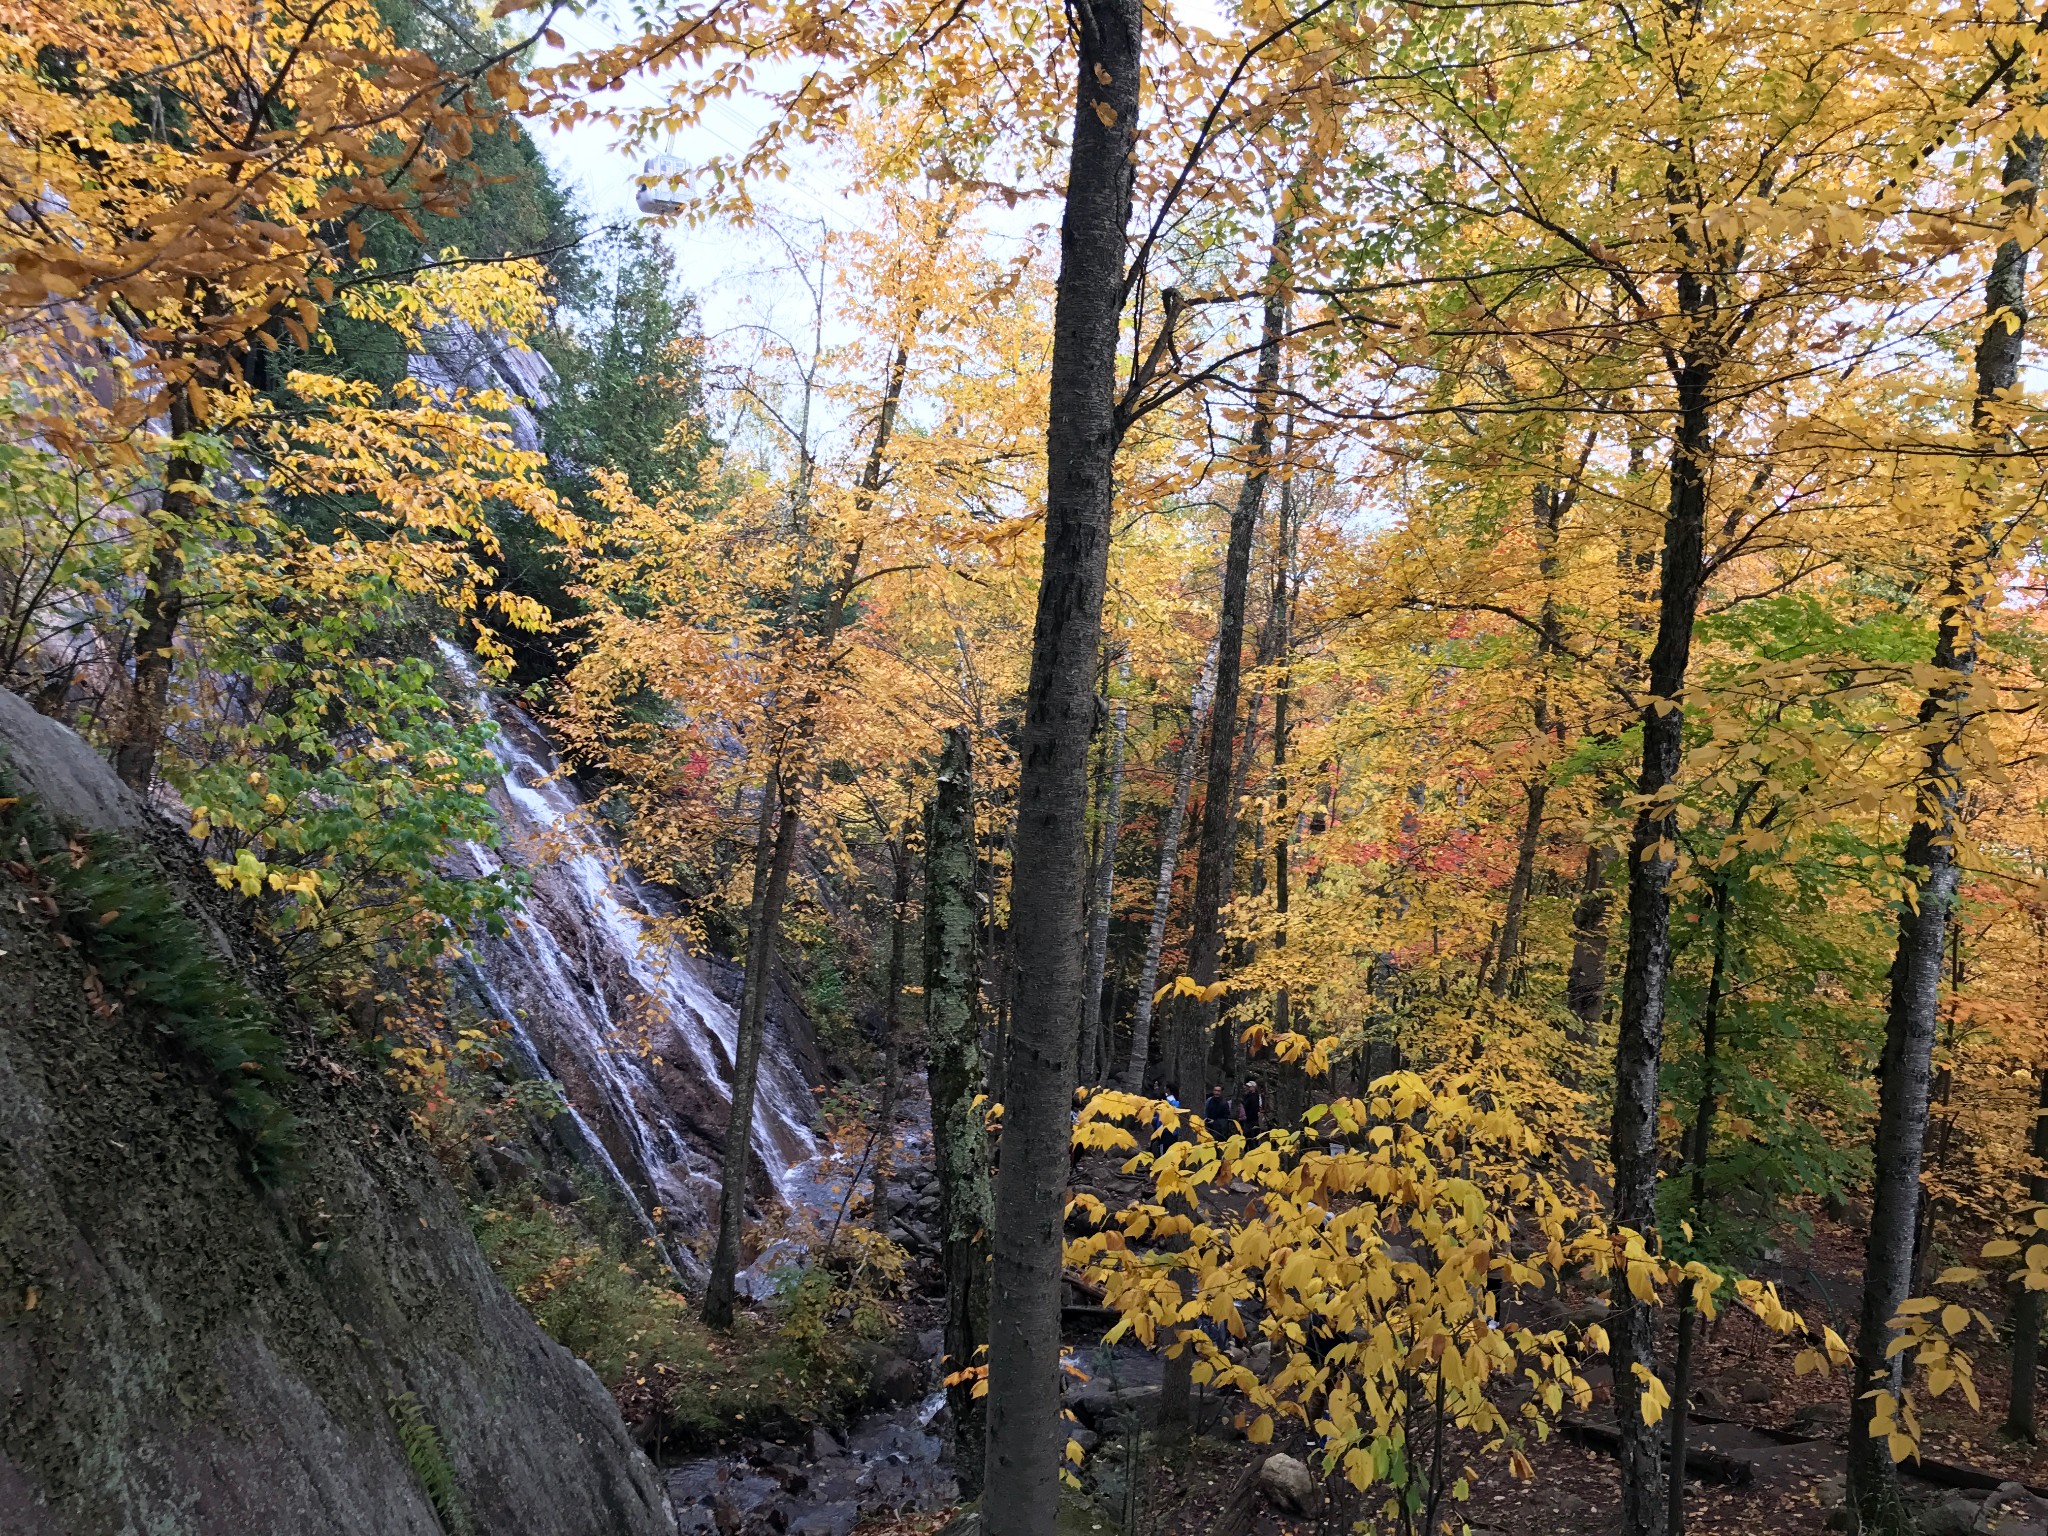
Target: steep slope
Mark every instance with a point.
(186, 1349)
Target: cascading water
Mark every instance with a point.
(604, 1001)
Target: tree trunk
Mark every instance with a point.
(1586, 987)
(1025, 1443)
(1283, 695)
(719, 1289)
(1652, 857)
(1518, 888)
(2026, 1304)
(1906, 1066)
(1702, 1140)
(954, 1069)
(1093, 1009)
(162, 608)
(1195, 1018)
(1142, 1006)
(892, 1044)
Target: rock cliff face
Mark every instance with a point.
(185, 1350)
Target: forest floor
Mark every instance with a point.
(1749, 1404)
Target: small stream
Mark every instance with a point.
(887, 1464)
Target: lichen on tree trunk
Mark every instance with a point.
(953, 1054)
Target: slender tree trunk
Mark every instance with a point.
(1518, 888)
(892, 1045)
(1548, 507)
(162, 609)
(1025, 1443)
(1702, 1140)
(2026, 1304)
(1142, 1005)
(1093, 1008)
(719, 1289)
(1652, 858)
(954, 1068)
(1586, 987)
(1283, 698)
(1195, 1018)
(1906, 1066)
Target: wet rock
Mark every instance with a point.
(887, 1440)
(1289, 1486)
(2012, 1511)
(932, 1343)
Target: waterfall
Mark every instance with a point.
(604, 997)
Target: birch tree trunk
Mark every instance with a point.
(1142, 1006)
(1653, 854)
(1906, 1067)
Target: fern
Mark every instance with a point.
(147, 952)
(429, 1463)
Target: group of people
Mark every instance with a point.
(1223, 1115)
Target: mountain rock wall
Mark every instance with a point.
(186, 1350)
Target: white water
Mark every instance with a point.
(618, 1013)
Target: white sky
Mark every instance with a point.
(734, 276)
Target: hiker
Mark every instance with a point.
(1254, 1107)
(1161, 1136)
(1221, 1117)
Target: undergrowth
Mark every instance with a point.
(143, 951)
(683, 1384)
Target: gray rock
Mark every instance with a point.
(1289, 1485)
(823, 1445)
(890, 1378)
(886, 1440)
(72, 782)
(1121, 1404)
(836, 1519)
(1952, 1516)
(2012, 1511)
(932, 1343)
(228, 1352)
